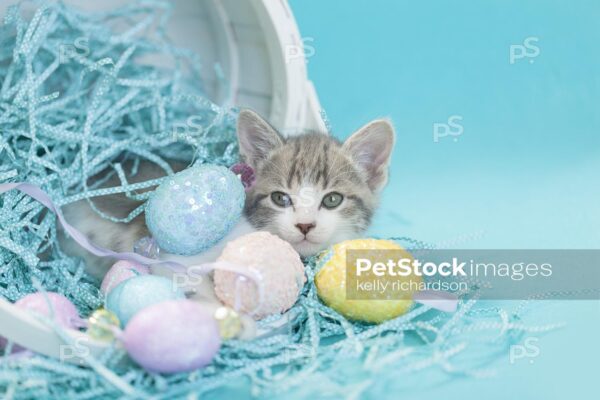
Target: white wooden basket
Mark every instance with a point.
(259, 48)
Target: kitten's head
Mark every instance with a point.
(312, 190)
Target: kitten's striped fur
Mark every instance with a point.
(308, 167)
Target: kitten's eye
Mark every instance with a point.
(332, 200)
(281, 199)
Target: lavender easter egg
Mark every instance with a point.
(133, 295)
(121, 271)
(172, 336)
(276, 262)
(63, 312)
(194, 209)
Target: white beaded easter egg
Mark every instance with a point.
(276, 262)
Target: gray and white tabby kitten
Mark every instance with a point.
(311, 190)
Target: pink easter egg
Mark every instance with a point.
(64, 312)
(276, 262)
(172, 336)
(121, 271)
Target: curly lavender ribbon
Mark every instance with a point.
(38, 194)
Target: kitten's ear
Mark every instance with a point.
(256, 137)
(371, 147)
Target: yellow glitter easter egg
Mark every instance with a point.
(373, 307)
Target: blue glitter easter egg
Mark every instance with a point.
(133, 295)
(194, 209)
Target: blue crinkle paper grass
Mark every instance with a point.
(75, 99)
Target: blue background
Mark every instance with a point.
(524, 173)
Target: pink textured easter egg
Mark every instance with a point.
(121, 271)
(172, 336)
(276, 262)
(45, 304)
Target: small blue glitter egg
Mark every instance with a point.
(194, 209)
(133, 295)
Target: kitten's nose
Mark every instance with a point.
(305, 228)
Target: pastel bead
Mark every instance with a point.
(102, 324)
(147, 247)
(121, 271)
(137, 293)
(194, 209)
(229, 322)
(172, 336)
(331, 284)
(279, 266)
